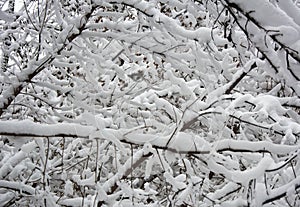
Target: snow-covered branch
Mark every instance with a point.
(150, 103)
(30, 129)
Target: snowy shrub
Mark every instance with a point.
(150, 103)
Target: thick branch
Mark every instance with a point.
(30, 129)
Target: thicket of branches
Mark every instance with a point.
(151, 103)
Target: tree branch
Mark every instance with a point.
(27, 75)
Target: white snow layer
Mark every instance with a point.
(30, 128)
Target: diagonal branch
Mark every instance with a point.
(27, 75)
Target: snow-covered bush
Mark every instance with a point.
(150, 103)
